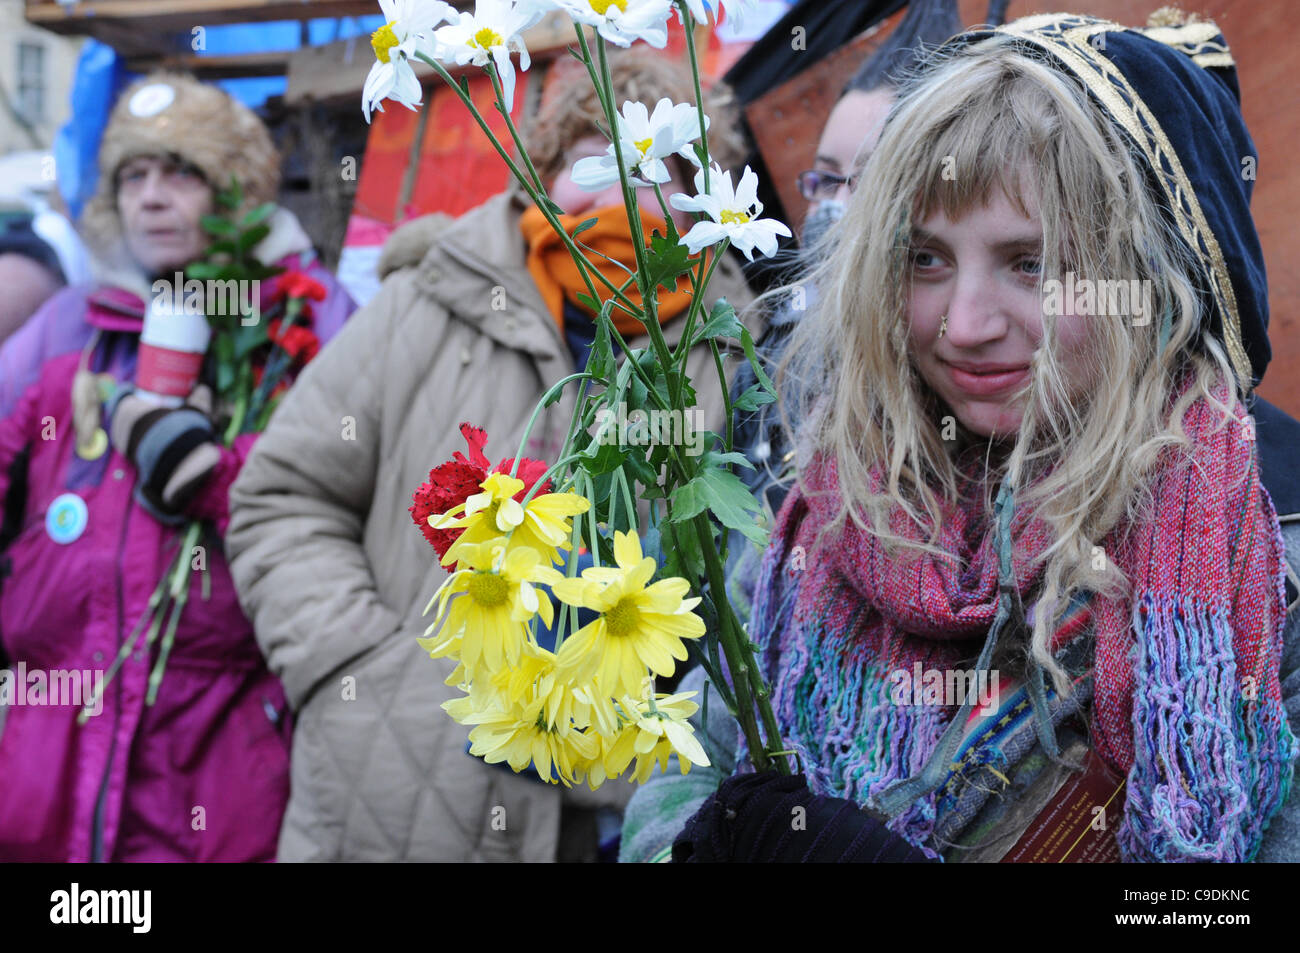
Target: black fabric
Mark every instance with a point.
(171, 458)
(1277, 437)
(141, 427)
(771, 818)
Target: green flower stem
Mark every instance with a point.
(688, 23)
(541, 404)
(736, 661)
(588, 490)
(740, 659)
(648, 299)
(153, 609)
(540, 199)
(697, 302)
(165, 649)
(241, 406)
(689, 27)
(491, 70)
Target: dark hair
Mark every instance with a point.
(18, 238)
(926, 24)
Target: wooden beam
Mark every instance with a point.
(338, 70)
(154, 17)
(231, 66)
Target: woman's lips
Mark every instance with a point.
(983, 383)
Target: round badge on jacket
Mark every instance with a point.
(66, 518)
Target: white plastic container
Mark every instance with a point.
(172, 346)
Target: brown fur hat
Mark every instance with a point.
(172, 113)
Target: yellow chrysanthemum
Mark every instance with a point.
(649, 736)
(639, 626)
(487, 624)
(538, 729)
(542, 525)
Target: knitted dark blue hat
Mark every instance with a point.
(1172, 93)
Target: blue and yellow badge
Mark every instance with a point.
(66, 518)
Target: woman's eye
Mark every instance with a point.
(924, 259)
(1030, 266)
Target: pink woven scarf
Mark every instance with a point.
(1187, 700)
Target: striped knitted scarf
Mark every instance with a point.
(1185, 696)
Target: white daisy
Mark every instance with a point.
(623, 22)
(732, 214)
(647, 139)
(407, 24)
(490, 33)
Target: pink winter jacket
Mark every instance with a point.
(201, 775)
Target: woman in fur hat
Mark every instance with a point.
(1033, 469)
(89, 524)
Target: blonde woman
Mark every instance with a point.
(1011, 476)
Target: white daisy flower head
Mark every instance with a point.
(407, 28)
(490, 34)
(732, 213)
(623, 22)
(647, 139)
(736, 10)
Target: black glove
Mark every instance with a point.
(173, 449)
(751, 818)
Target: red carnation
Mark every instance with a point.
(301, 344)
(295, 284)
(453, 482)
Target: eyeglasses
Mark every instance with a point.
(819, 184)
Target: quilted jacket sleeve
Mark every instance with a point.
(299, 507)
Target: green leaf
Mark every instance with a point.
(202, 270)
(604, 457)
(555, 209)
(642, 471)
(217, 225)
(252, 236)
(753, 398)
(223, 247)
(588, 302)
(722, 323)
(738, 459)
(747, 341)
(257, 215)
(588, 223)
(666, 261)
(247, 338)
(682, 556)
(600, 363)
(720, 492)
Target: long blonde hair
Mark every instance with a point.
(971, 121)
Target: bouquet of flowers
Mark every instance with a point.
(249, 363)
(514, 535)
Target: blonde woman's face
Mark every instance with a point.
(981, 272)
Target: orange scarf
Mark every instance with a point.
(558, 278)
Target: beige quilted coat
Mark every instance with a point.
(335, 576)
